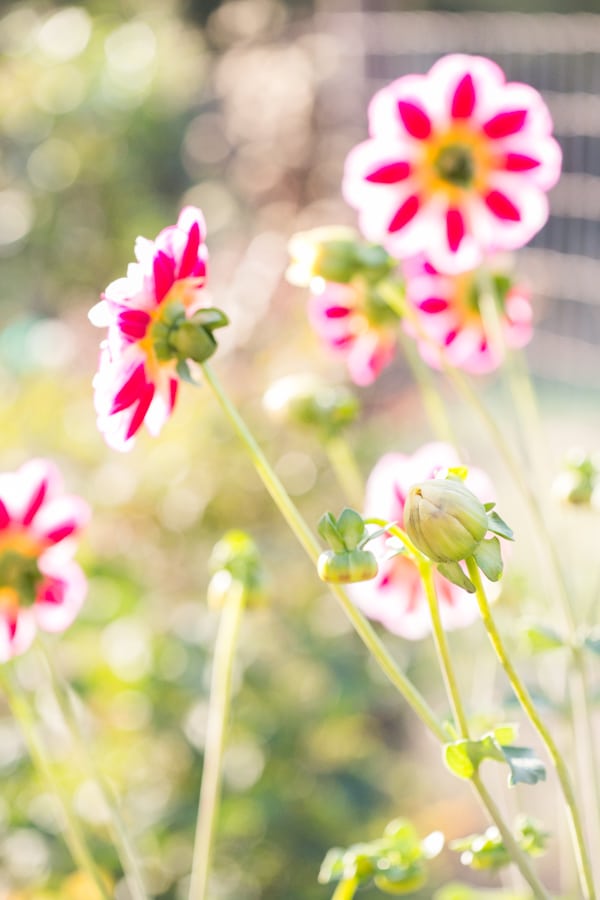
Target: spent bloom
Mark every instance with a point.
(396, 597)
(40, 584)
(451, 316)
(157, 319)
(357, 324)
(457, 164)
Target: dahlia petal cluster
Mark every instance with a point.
(344, 319)
(451, 321)
(457, 164)
(133, 385)
(395, 597)
(40, 584)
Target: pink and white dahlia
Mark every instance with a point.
(452, 322)
(354, 323)
(133, 385)
(395, 597)
(457, 164)
(40, 584)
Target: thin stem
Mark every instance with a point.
(524, 698)
(307, 540)
(64, 696)
(74, 835)
(218, 714)
(343, 462)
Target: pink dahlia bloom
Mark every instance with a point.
(457, 164)
(40, 584)
(132, 385)
(355, 325)
(449, 313)
(395, 597)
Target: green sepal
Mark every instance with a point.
(210, 318)
(183, 371)
(351, 527)
(453, 572)
(329, 531)
(489, 506)
(498, 526)
(488, 557)
(542, 638)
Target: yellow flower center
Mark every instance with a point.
(454, 162)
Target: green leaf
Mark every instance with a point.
(329, 531)
(499, 526)
(488, 506)
(542, 638)
(351, 527)
(453, 572)
(505, 733)
(525, 767)
(488, 557)
(183, 371)
(458, 759)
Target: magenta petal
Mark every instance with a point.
(35, 503)
(337, 312)
(190, 254)
(164, 275)
(455, 228)
(62, 531)
(133, 323)
(173, 387)
(4, 516)
(520, 162)
(505, 123)
(131, 391)
(389, 174)
(433, 305)
(405, 214)
(463, 101)
(415, 119)
(140, 413)
(499, 204)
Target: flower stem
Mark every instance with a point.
(63, 695)
(347, 472)
(74, 835)
(218, 714)
(308, 541)
(524, 698)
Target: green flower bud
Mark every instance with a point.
(236, 565)
(335, 254)
(577, 481)
(445, 520)
(174, 336)
(347, 566)
(307, 401)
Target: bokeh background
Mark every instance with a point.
(114, 115)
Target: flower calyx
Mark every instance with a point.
(347, 561)
(449, 524)
(177, 336)
(335, 253)
(236, 567)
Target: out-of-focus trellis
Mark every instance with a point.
(560, 56)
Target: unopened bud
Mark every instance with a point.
(236, 565)
(347, 566)
(306, 400)
(335, 254)
(577, 482)
(444, 519)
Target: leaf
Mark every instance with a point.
(542, 638)
(488, 557)
(458, 759)
(329, 531)
(351, 527)
(183, 371)
(332, 867)
(499, 526)
(488, 506)
(525, 767)
(453, 572)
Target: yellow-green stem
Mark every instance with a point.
(310, 544)
(343, 462)
(218, 714)
(524, 698)
(74, 836)
(63, 695)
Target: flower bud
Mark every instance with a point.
(336, 254)
(577, 481)
(175, 336)
(347, 566)
(445, 520)
(306, 400)
(236, 565)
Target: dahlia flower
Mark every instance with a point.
(353, 322)
(450, 316)
(40, 585)
(136, 382)
(457, 164)
(395, 597)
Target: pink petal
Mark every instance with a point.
(337, 312)
(5, 518)
(415, 120)
(433, 305)
(391, 173)
(505, 123)
(133, 323)
(35, 503)
(405, 214)
(139, 414)
(455, 228)
(131, 391)
(60, 597)
(520, 162)
(463, 101)
(190, 253)
(499, 204)
(164, 275)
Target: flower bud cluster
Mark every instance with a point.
(309, 401)
(347, 561)
(335, 254)
(175, 336)
(236, 565)
(579, 481)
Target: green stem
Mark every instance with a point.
(63, 694)
(218, 714)
(307, 540)
(74, 835)
(347, 472)
(524, 698)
